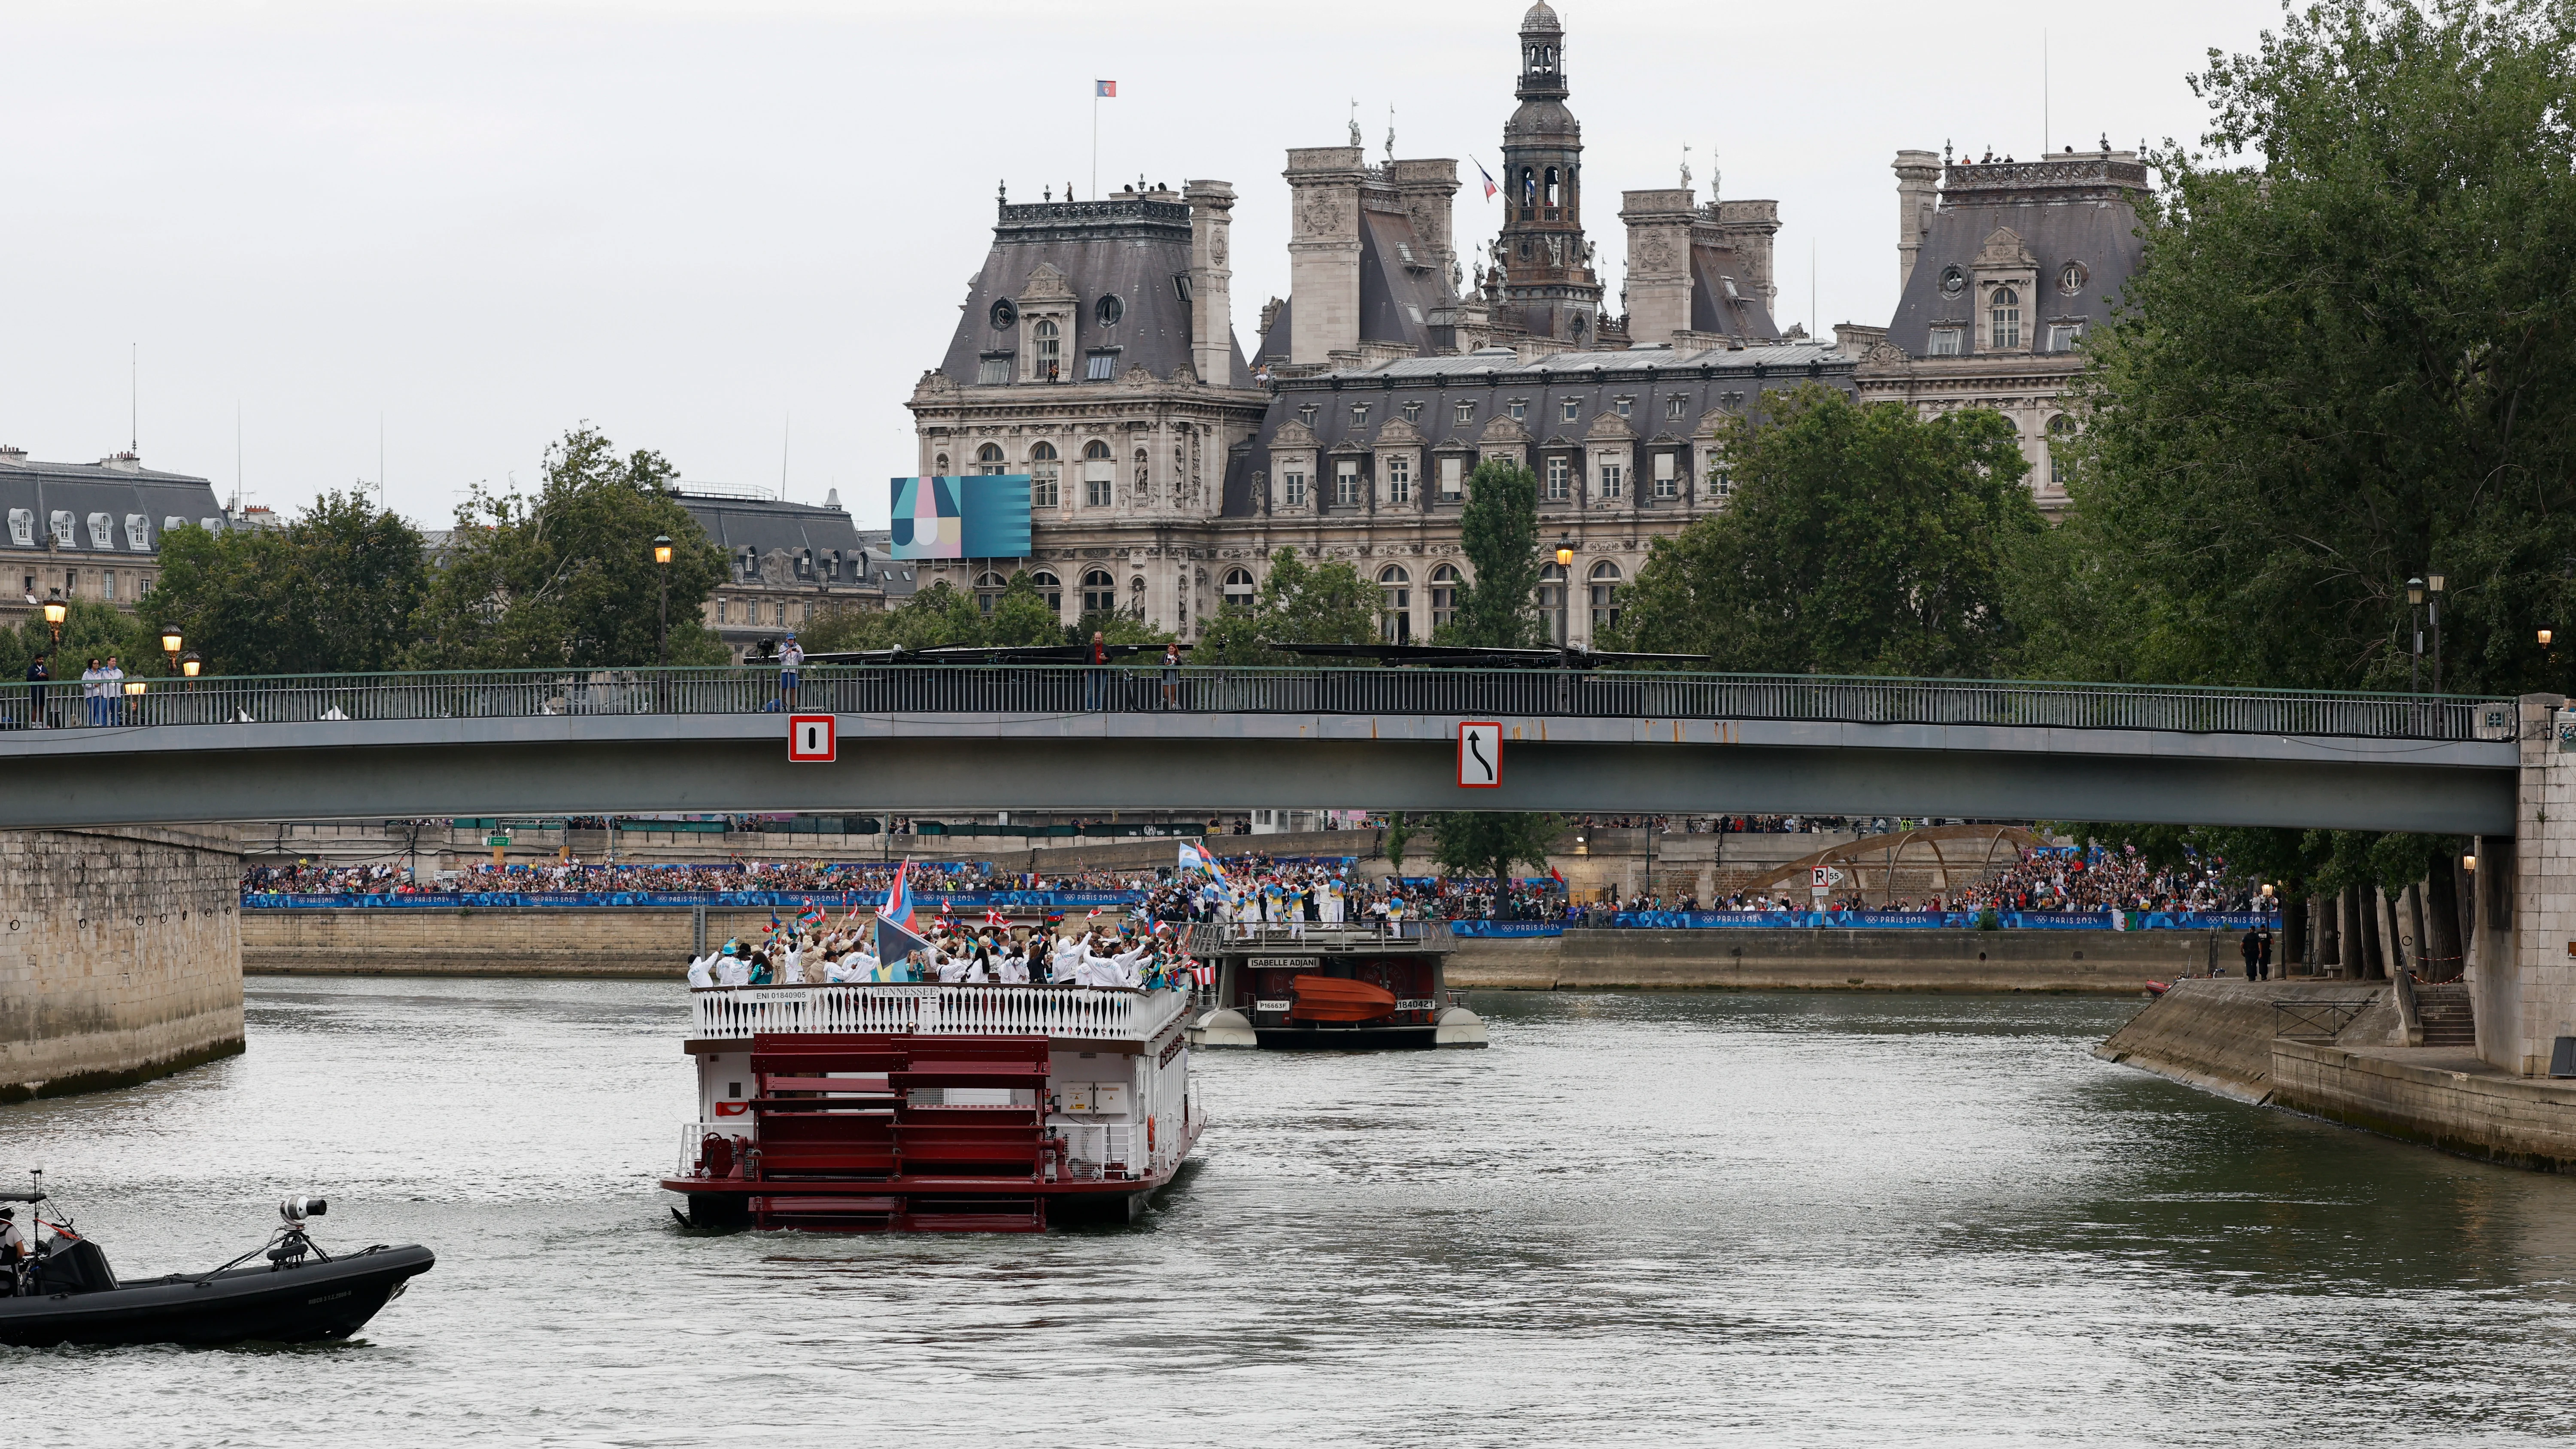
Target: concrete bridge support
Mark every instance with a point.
(120, 956)
(2522, 969)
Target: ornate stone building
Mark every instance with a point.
(92, 530)
(2004, 266)
(1096, 355)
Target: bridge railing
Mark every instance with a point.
(917, 689)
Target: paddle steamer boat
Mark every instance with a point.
(932, 1107)
(1339, 987)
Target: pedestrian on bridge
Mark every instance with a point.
(1095, 680)
(37, 674)
(790, 660)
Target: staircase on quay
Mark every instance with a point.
(2447, 1017)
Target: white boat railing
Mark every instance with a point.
(1088, 1012)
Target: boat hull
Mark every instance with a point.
(303, 1303)
(1330, 1037)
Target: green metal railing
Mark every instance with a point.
(951, 689)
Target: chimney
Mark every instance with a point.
(1918, 176)
(1659, 264)
(1211, 282)
(1428, 190)
(1323, 252)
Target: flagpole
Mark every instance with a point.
(1095, 140)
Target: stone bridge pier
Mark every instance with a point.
(2522, 965)
(120, 956)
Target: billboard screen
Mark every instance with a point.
(982, 516)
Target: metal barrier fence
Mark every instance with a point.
(904, 689)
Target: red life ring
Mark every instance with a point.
(732, 1109)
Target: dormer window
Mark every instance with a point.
(2072, 279)
(1573, 411)
(1953, 281)
(994, 370)
(1466, 413)
(1109, 310)
(1676, 407)
(1413, 412)
(1517, 408)
(1620, 405)
(2062, 336)
(1306, 414)
(1945, 342)
(2003, 319)
(22, 527)
(1359, 414)
(1047, 342)
(1101, 366)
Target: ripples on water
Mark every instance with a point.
(1667, 1218)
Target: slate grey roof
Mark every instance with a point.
(2064, 209)
(1727, 379)
(1397, 298)
(1743, 315)
(1132, 247)
(119, 488)
(765, 525)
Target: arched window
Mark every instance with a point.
(1444, 594)
(1238, 588)
(1043, 475)
(988, 589)
(1551, 596)
(1605, 597)
(1551, 186)
(1099, 592)
(1395, 618)
(939, 465)
(1049, 589)
(1095, 449)
(2003, 318)
(1529, 187)
(1050, 349)
(988, 460)
(2061, 429)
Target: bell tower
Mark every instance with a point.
(1549, 286)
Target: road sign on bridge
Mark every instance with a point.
(1480, 755)
(810, 738)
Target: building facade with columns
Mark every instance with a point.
(1095, 354)
(2005, 267)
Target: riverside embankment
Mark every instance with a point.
(2337, 1050)
(644, 941)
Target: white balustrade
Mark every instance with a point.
(1092, 1013)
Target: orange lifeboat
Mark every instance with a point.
(1330, 998)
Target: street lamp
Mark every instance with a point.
(2415, 665)
(189, 664)
(170, 642)
(1564, 584)
(54, 611)
(2433, 586)
(133, 698)
(662, 561)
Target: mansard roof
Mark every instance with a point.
(2080, 209)
(1134, 247)
(1719, 380)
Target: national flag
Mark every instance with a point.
(814, 914)
(1490, 187)
(1556, 875)
(1202, 972)
(994, 917)
(1104, 88)
(898, 903)
(894, 942)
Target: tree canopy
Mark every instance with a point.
(1858, 540)
(2348, 359)
(1299, 603)
(1487, 842)
(1498, 532)
(334, 591)
(566, 577)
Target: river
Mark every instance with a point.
(1664, 1218)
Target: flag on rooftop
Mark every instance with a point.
(1104, 88)
(1490, 187)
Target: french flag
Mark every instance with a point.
(1490, 187)
(1110, 88)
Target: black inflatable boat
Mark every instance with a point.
(65, 1292)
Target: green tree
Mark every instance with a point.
(1399, 835)
(1487, 842)
(2348, 358)
(334, 591)
(1299, 603)
(566, 577)
(1498, 532)
(1859, 540)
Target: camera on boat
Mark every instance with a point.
(297, 1209)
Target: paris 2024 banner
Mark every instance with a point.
(985, 516)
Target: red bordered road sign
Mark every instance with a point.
(1480, 754)
(810, 738)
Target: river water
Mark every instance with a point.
(1637, 1219)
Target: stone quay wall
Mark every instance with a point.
(2417, 1095)
(2217, 1035)
(1831, 959)
(643, 941)
(120, 956)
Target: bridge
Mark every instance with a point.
(921, 737)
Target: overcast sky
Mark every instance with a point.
(737, 231)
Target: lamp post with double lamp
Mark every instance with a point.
(2415, 661)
